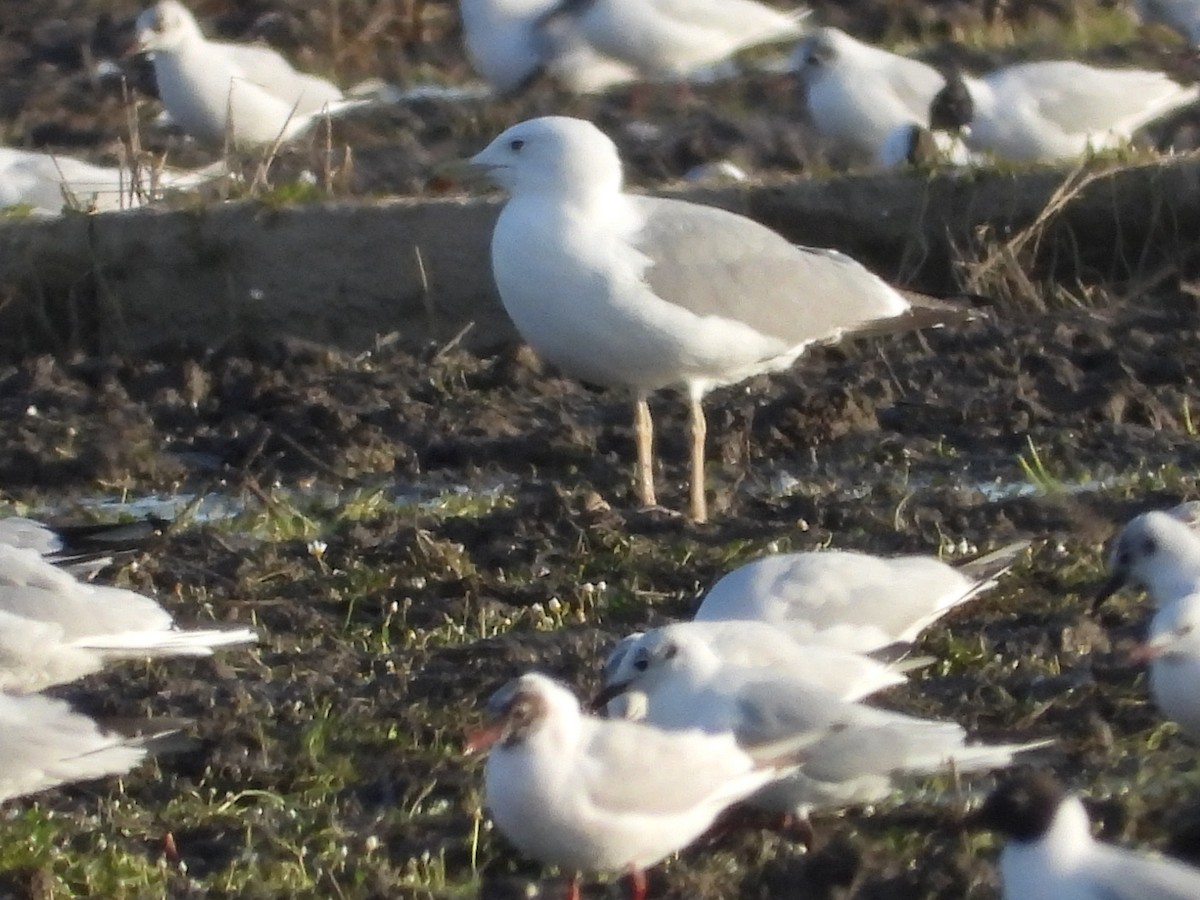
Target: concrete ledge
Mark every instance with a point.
(344, 273)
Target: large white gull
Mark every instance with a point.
(648, 293)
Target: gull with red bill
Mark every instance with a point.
(601, 795)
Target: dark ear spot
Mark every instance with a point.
(671, 651)
(1149, 546)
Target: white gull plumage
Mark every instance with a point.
(859, 94)
(857, 753)
(598, 795)
(647, 293)
(213, 89)
(1061, 109)
(850, 600)
(48, 182)
(1159, 552)
(55, 629)
(1051, 854)
(44, 743)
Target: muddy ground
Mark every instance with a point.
(391, 602)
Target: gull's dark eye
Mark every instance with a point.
(641, 664)
(1124, 559)
(1150, 546)
(515, 145)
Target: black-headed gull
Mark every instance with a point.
(1051, 854)
(44, 743)
(859, 753)
(601, 795)
(1055, 110)
(648, 293)
(1157, 551)
(847, 675)
(48, 183)
(858, 94)
(854, 601)
(510, 42)
(214, 90)
(54, 629)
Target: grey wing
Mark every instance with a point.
(1131, 876)
(770, 710)
(715, 263)
(270, 71)
(636, 767)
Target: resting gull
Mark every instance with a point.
(648, 293)
(55, 629)
(214, 90)
(1055, 110)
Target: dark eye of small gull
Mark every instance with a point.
(516, 145)
(1150, 547)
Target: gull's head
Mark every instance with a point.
(952, 108)
(520, 709)
(819, 53)
(1024, 808)
(164, 26)
(1157, 552)
(553, 155)
(655, 658)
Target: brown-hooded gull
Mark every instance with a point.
(648, 293)
(215, 90)
(55, 629)
(603, 795)
(1050, 853)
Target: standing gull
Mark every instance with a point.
(215, 90)
(648, 293)
(591, 794)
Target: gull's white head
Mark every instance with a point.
(564, 157)
(820, 53)
(164, 26)
(1158, 553)
(521, 710)
(656, 657)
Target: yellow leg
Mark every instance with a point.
(699, 429)
(643, 430)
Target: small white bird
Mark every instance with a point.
(679, 39)
(1183, 16)
(757, 645)
(599, 795)
(857, 753)
(647, 293)
(55, 629)
(215, 90)
(1157, 551)
(1173, 652)
(1056, 110)
(43, 743)
(510, 42)
(48, 183)
(858, 94)
(1051, 854)
(849, 600)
